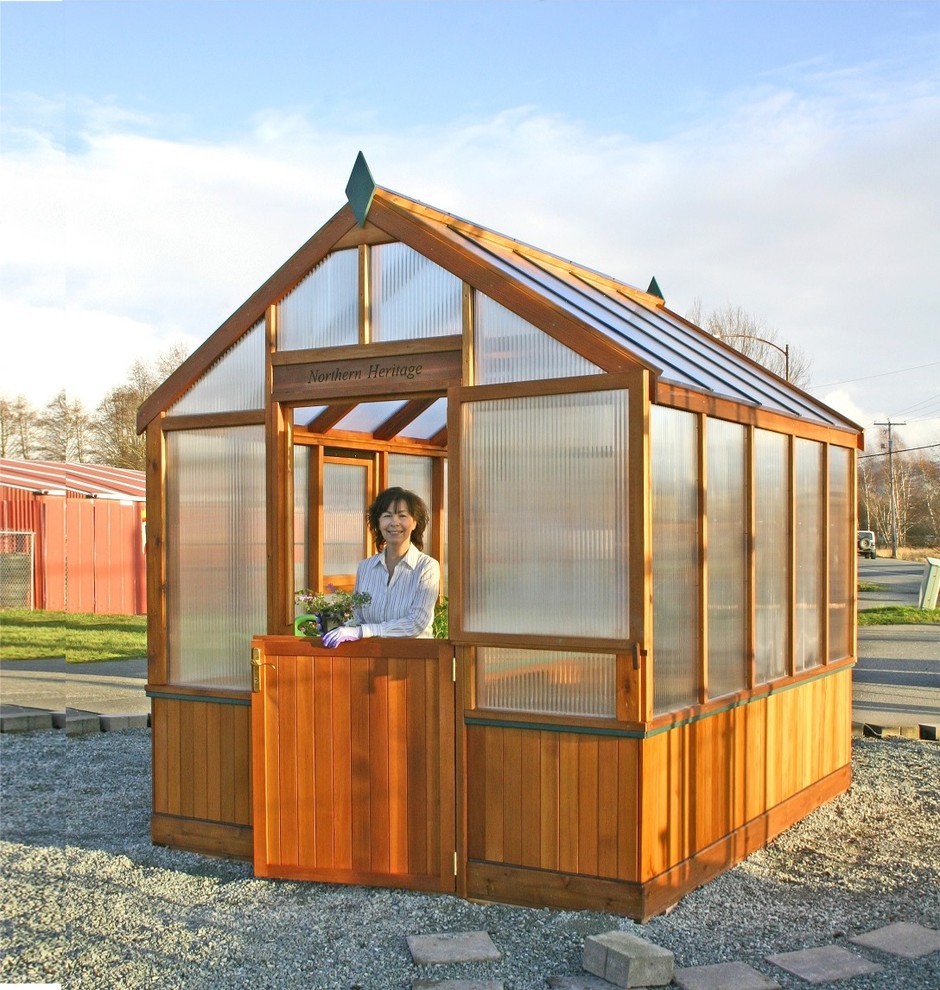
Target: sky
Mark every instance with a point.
(159, 160)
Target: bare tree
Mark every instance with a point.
(114, 432)
(925, 512)
(916, 507)
(751, 336)
(63, 429)
(18, 428)
(114, 437)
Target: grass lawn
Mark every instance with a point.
(894, 615)
(80, 638)
(898, 615)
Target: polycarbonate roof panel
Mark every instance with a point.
(429, 423)
(369, 416)
(305, 415)
(679, 353)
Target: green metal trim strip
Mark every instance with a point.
(585, 730)
(243, 702)
(578, 730)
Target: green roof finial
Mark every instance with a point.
(360, 189)
(655, 290)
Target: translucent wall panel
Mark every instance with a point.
(411, 296)
(727, 557)
(772, 553)
(508, 349)
(546, 682)
(344, 517)
(216, 589)
(841, 552)
(809, 553)
(323, 309)
(301, 516)
(544, 527)
(233, 383)
(676, 569)
(414, 474)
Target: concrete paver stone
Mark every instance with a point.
(81, 723)
(627, 960)
(723, 976)
(823, 964)
(458, 985)
(903, 938)
(114, 723)
(24, 720)
(453, 947)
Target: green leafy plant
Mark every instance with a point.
(326, 610)
(439, 626)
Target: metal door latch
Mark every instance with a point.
(256, 664)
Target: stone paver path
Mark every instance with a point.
(901, 939)
(824, 964)
(723, 976)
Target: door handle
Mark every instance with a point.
(256, 664)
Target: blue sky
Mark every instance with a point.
(159, 160)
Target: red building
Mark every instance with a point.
(72, 537)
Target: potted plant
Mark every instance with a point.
(324, 611)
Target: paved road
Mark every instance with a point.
(898, 580)
(112, 687)
(897, 679)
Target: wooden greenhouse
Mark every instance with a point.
(647, 548)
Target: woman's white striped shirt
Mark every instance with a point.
(403, 606)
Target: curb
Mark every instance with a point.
(923, 732)
(74, 721)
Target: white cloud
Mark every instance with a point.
(817, 214)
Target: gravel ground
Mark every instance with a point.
(87, 901)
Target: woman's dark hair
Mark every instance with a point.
(391, 497)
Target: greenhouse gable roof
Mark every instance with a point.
(613, 324)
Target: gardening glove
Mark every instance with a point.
(341, 634)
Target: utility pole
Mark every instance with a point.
(894, 504)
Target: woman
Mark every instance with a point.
(404, 582)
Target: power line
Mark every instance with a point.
(883, 374)
(928, 402)
(903, 450)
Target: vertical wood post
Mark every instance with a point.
(157, 661)
(279, 503)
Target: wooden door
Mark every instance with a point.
(353, 762)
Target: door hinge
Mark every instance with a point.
(638, 654)
(455, 862)
(454, 667)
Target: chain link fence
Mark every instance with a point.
(17, 550)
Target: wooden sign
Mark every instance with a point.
(373, 373)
